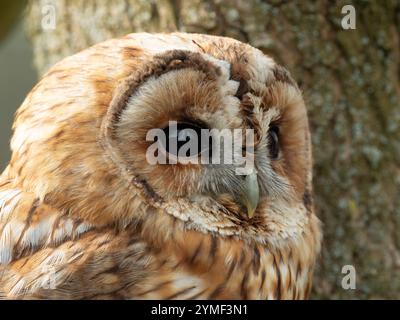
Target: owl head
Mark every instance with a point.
(83, 136)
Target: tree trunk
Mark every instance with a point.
(350, 80)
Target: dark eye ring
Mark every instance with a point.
(181, 134)
(273, 143)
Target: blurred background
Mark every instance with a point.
(17, 75)
(350, 79)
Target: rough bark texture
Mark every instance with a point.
(350, 79)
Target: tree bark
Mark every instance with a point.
(350, 80)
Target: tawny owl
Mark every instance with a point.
(83, 214)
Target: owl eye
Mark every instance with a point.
(273, 142)
(180, 134)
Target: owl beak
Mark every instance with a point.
(251, 194)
